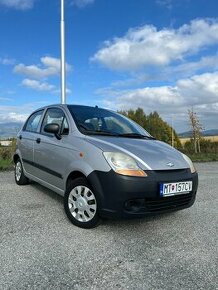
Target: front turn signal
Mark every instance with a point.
(129, 172)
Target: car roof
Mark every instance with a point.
(65, 106)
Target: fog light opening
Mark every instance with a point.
(135, 205)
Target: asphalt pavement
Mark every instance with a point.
(41, 249)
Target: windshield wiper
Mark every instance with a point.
(102, 133)
(136, 135)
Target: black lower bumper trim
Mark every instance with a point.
(157, 205)
(124, 196)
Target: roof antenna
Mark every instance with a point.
(63, 62)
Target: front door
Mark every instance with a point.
(50, 153)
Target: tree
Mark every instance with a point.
(196, 128)
(138, 116)
(155, 125)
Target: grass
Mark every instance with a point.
(6, 156)
(6, 164)
(204, 157)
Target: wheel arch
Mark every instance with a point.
(73, 175)
(16, 157)
(94, 183)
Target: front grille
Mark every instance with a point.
(167, 203)
(172, 171)
(160, 204)
(172, 174)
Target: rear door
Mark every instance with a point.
(27, 138)
(51, 155)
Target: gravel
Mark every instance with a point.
(41, 249)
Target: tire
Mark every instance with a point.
(19, 176)
(80, 204)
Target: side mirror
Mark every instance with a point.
(53, 128)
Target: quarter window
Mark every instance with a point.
(33, 122)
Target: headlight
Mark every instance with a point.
(190, 163)
(123, 164)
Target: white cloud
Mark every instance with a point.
(16, 117)
(37, 85)
(149, 98)
(51, 62)
(148, 46)
(34, 71)
(18, 4)
(18, 113)
(166, 3)
(5, 99)
(172, 73)
(197, 90)
(200, 91)
(82, 3)
(57, 92)
(209, 63)
(49, 66)
(43, 87)
(7, 61)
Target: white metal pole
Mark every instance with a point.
(63, 62)
(172, 132)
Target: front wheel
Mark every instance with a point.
(80, 204)
(20, 178)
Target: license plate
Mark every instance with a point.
(175, 188)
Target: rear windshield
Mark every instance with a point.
(97, 121)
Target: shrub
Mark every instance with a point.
(6, 153)
(206, 146)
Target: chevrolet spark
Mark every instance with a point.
(103, 164)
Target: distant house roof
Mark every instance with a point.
(5, 143)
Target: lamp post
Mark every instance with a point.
(63, 62)
(172, 140)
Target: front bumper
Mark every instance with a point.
(123, 196)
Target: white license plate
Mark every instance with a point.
(175, 188)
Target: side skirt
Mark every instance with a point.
(44, 183)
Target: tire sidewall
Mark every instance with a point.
(81, 181)
(23, 179)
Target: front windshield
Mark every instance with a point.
(96, 121)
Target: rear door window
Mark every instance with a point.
(32, 123)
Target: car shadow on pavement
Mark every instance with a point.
(108, 223)
(136, 222)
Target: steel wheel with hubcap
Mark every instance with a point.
(20, 178)
(80, 204)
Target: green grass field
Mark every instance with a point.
(6, 164)
(203, 157)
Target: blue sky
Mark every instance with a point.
(156, 54)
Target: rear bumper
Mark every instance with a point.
(122, 196)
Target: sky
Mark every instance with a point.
(160, 55)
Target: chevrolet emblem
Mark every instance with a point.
(170, 164)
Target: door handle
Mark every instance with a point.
(38, 140)
(20, 137)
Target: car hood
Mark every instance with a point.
(151, 154)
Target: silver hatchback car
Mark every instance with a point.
(104, 164)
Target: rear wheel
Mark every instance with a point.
(20, 178)
(80, 204)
